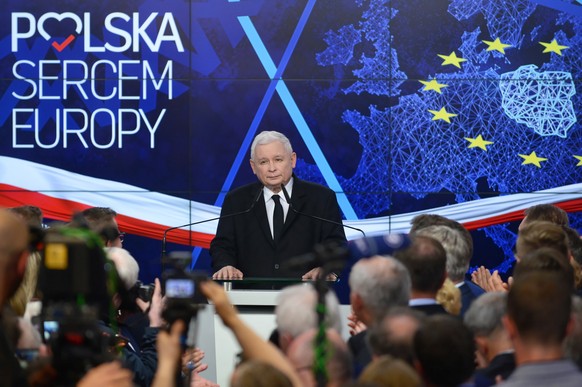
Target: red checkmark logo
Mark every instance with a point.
(60, 47)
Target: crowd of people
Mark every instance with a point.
(418, 318)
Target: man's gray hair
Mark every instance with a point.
(295, 311)
(455, 245)
(268, 137)
(484, 316)
(125, 264)
(382, 282)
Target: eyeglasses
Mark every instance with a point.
(121, 236)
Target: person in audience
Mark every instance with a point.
(258, 374)
(425, 260)
(102, 221)
(575, 250)
(445, 351)
(495, 355)
(573, 342)
(131, 320)
(458, 244)
(449, 296)
(295, 313)
(377, 284)
(387, 371)
(32, 215)
(338, 361)
(545, 212)
(546, 259)
(394, 334)
(13, 258)
(539, 306)
(139, 355)
(491, 281)
(532, 236)
(268, 232)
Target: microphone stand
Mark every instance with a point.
(164, 238)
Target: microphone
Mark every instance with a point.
(288, 198)
(209, 220)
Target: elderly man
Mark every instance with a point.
(261, 229)
(377, 284)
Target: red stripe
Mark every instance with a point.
(62, 209)
(568, 206)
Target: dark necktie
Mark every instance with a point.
(278, 217)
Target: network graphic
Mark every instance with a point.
(398, 105)
(481, 115)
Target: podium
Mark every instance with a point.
(256, 307)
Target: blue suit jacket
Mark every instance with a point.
(469, 292)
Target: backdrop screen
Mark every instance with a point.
(463, 108)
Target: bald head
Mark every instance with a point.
(338, 364)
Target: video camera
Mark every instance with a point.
(182, 289)
(76, 283)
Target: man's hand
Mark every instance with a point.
(107, 375)
(481, 277)
(355, 325)
(490, 282)
(153, 308)
(156, 306)
(316, 273)
(168, 345)
(228, 272)
(497, 284)
(199, 381)
(192, 361)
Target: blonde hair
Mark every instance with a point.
(27, 288)
(449, 296)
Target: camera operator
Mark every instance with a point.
(139, 356)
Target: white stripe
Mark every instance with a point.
(171, 211)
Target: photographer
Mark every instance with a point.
(139, 354)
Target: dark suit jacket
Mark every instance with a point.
(502, 365)
(245, 241)
(469, 292)
(430, 309)
(361, 354)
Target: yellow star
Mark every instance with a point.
(452, 60)
(532, 158)
(553, 47)
(496, 45)
(579, 158)
(478, 142)
(442, 115)
(433, 85)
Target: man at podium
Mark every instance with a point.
(266, 223)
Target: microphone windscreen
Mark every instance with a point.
(386, 244)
